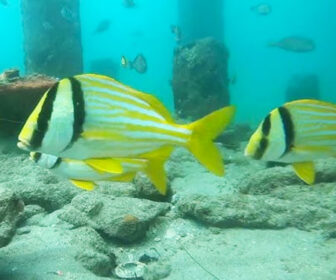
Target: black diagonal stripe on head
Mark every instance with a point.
(288, 127)
(266, 126)
(79, 108)
(263, 144)
(43, 118)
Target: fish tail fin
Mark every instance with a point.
(204, 131)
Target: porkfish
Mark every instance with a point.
(92, 116)
(85, 173)
(298, 132)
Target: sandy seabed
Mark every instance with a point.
(256, 223)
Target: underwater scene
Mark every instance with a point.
(171, 139)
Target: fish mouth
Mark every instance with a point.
(23, 145)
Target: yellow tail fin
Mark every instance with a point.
(204, 131)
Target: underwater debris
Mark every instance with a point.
(200, 78)
(199, 264)
(303, 86)
(18, 97)
(130, 270)
(9, 75)
(295, 44)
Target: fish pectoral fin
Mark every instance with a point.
(108, 165)
(127, 177)
(86, 185)
(305, 171)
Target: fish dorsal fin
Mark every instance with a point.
(127, 177)
(148, 98)
(108, 165)
(86, 185)
(156, 104)
(155, 167)
(306, 171)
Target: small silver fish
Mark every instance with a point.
(103, 26)
(139, 63)
(128, 3)
(294, 44)
(262, 9)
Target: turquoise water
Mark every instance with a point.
(262, 73)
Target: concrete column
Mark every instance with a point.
(200, 18)
(52, 37)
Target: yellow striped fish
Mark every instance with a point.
(298, 132)
(85, 173)
(93, 116)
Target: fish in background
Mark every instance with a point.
(139, 63)
(129, 3)
(294, 44)
(102, 26)
(96, 117)
(86, 173)
(176, 30)
(4, 2)
(298, 132)
(262, 9)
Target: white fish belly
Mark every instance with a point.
(80, 171)
(84, 149)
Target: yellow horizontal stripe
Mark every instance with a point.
(101, 79)
(315, 129)
(313, 108)
(117, 98)
(120, 112)
(105, 128)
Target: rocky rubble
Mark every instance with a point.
(123, 218)
(11, 206)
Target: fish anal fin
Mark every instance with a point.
(127, 177)
(305, 171)
(156, 173)
(86, 185)
(105, 165)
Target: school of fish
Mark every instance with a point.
(90, 128)
(103, 123)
